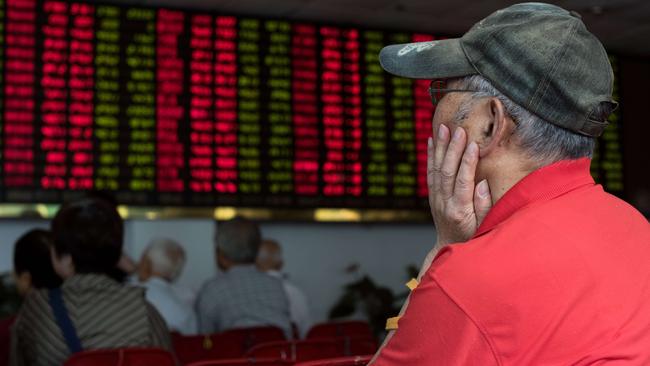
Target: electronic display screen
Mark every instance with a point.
(190, 108)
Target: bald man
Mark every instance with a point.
(269, 260)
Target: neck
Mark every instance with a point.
(68, 273)
(505, 174)
(160, 277)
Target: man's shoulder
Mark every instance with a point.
(159, 290)
(586, 205)
(546, 253)
(579, 218)
(293, 290)
(35, 304)
(121, 294)
(261, 280)
(213, 283)
(543, 238)
(251, 273)
(238, 284)
(230, 279)
(36, 297)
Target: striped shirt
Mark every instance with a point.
(243, 297)
(105, 314)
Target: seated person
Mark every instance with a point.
(32, 270)
(99, 312)
(161, 264)
(269, 260)
(126, 267)
(242, 296)
(32, 264)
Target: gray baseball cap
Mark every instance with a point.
(539, 55)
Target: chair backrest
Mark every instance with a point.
(351, 328)
(230, 344)
(243, 362)
(341, 361)
(314, 349)
(122, 357)
(356, 346)
(5, 338)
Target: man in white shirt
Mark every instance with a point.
(269, 260)
(161, 264)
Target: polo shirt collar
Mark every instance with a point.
(243, 268)
(157, 281)
(541, 185)
(90, 280)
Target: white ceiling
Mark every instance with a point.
(622, 25)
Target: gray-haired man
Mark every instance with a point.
(242, 296)
(534, 264)
(160, 266)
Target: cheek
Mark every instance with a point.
(444, 113)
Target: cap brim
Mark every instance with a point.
(440, 59)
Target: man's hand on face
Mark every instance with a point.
(458, 204)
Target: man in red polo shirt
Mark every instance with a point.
(534, 263)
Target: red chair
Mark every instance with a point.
(122, 357)
(244, 362)
(230, 344)
(356, 346)
(314, 349)
(5, 338)
(339, 329)
(342, 361)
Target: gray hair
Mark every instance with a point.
(167, 257)
(238, 240)
(543, 142)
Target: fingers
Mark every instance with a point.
(440, 149)
(431, 174)
(464, 187)
(451, 162)
(482, 201)
(430, 171)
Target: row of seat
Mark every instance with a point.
(258, 345)
(314, 348)
(326, 340)
(150, 356)
(338, 361)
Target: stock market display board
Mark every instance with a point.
(186, 108)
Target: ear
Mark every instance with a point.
(62, 264)
(497, 129)
(26, 277)
(23, 282)
(222, 261)
(144, 269)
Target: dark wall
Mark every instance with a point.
(634, 84)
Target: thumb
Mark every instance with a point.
(482, 201)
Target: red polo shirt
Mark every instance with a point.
(557, 274)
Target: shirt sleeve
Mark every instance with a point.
(434, 330)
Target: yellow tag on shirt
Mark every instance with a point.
(207, 342)
(391, 323)
(412, 284)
